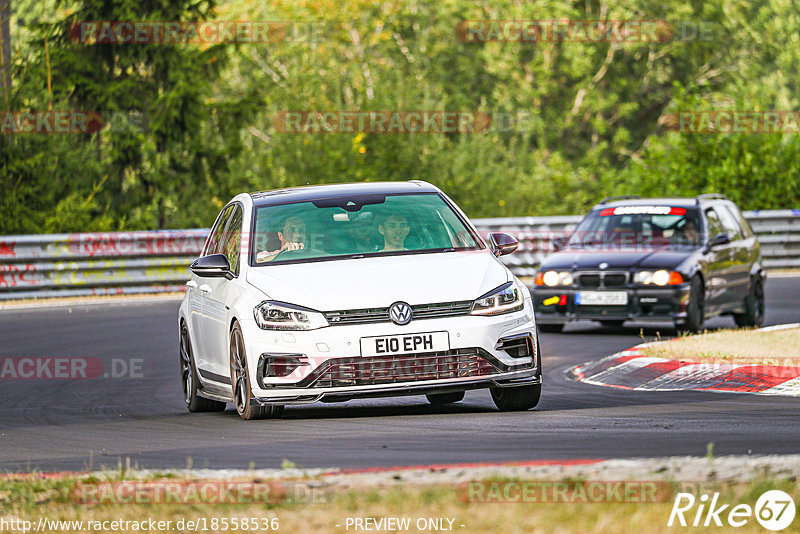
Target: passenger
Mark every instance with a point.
(689, 232)
(394, 229)
(292, 237)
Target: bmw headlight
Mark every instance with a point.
(553, 278)
(662, 277)
(271, 315)
(505, 299)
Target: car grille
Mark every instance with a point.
(381, 315)
(614, 280)
(458, 363)
(594, 280)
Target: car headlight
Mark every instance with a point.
(553, 278)
(505, 299)
(661, 277)
(271, 315)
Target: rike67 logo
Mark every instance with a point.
(774, 510)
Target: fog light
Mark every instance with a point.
(280, 365)
(518, 347)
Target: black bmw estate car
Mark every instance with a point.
(683, 260)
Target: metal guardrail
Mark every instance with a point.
(42, 266)
(778, 232)
(535, 236)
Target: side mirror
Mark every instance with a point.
(558, 243)
(212, 266)
(719, 239)
(502, 244)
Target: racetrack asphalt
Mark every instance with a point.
(57, 424)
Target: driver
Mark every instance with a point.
(292, 237)
(394, 229)
(689, 232)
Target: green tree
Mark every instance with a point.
(595, 113)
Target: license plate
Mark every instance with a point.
(601, 298)
(405, 344)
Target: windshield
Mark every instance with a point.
(371, 225)
(638, 227)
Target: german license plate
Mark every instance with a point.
(601, 298)
(405, 344)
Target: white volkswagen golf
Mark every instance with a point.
(335, 292)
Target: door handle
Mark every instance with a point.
(191, 283)
(205, 288)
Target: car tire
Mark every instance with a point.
(445, 398)
(516, 399)
(612, 324)
(551, 328)
(240, 382)
(194, 402)
(695, 309)
(753, 305)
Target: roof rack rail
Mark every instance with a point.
(619, 197)
(710, 196)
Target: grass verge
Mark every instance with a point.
(32, 498)
(742, 346)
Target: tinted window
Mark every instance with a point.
(729, 223)
(232, 242)
(638, 226)
(743, 224)
(714, 224)
(214, 238)
(362, 225)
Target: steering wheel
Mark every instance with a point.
(299, 253)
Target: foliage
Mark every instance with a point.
(592, 114)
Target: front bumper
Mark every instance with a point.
(333, 368)
(528, 377)
(645, 304)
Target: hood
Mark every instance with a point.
(573, 259)
(379, 282)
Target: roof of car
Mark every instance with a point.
(317, 192)
(677, 202)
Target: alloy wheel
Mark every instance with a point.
(239, 372)
(187, 373)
